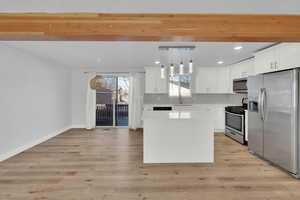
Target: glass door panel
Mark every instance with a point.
(112, 101)
(121, 114)
(105, 102)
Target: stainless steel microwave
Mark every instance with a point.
(240, 85)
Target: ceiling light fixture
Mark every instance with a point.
(162, 72)
(237, 48)
(173, 54)
(172, 70)
(191, 67)
(220, 62)
(181, 68)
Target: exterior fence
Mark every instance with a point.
(104, 115)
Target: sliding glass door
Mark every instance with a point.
(112, 101)
(121, 113)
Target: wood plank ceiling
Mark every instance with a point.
(149, 27)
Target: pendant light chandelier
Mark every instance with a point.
(176, 57)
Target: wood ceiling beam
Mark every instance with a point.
(149, 27)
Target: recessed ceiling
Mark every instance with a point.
(154, 6)
(131, 56)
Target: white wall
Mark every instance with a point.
(34, 100)
(79, 89)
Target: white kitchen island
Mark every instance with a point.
(178, 136)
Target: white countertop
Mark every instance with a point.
(178, 115)
(188, 107)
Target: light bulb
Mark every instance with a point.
(172, 70)
(181, 68)
(191, 67)
(162, 72)
(237, 48)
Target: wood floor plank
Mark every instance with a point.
(107, 164)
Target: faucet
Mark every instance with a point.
(180, 99)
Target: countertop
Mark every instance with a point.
(176, 114)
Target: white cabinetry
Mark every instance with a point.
(213, 80)
(288, 56)
(279, 57)
(266, 60)
(205, 80)
(242, 69)
(154, 83)
(222, 80)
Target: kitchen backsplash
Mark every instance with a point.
(234, 99)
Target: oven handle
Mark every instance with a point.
(234, 114)
(234, 130)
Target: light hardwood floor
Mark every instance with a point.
(107, 164)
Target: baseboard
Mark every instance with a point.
(32, 144)
(78, 126)
(219, 130)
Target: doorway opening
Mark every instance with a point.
(112, 101)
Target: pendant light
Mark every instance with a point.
(181, 68)
(162, 72)
(172, 70)
(191, 67)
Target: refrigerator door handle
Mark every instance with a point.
(263, 103)
(260, 103)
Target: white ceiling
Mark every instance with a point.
(153, 6)
(130, 56)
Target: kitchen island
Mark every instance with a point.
(178, 136)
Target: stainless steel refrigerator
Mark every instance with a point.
(273, 132)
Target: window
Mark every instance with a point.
(180, 86)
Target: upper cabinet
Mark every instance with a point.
(242, 69)
(213, 80)
(288, 56)
(154, 83)
(279, 57)
(266, 60)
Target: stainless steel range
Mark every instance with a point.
(235, 123)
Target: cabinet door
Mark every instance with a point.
(160, 84)
(288, 56)
(246, 68)
(150, 83)
(235, 71)
(154, 83)
(205, 80)
(265, 61)
(222, 79)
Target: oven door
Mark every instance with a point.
(235, 122)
